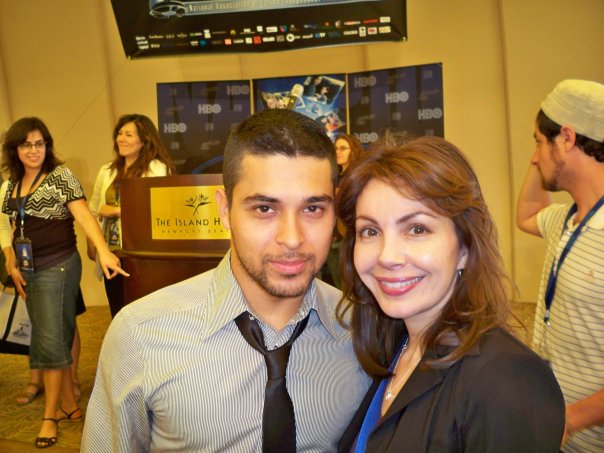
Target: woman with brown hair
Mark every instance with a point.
(425, 286)
(138, 152)
(348, 150)
(40, 201)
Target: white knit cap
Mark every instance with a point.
(579, 104)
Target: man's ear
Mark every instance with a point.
(569, 136)
(223, 208)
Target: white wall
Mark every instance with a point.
(63, 61)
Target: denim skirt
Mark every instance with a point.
(51, 304)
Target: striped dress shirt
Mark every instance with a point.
(574, 343)
(175, 374)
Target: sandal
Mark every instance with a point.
(45, 442)
(77, 391)
(28, 397)
(69, 416)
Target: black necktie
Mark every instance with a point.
(278, 420)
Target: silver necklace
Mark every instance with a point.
(389, 392)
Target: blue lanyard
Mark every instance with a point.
(553, 273)
(116, 189)
(374, 413)
(20, 204)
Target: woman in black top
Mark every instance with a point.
(42, 198)
(426, 288)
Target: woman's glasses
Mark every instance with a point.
(29, 146)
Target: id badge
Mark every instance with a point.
(25, 255)
(113, 239)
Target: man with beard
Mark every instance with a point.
(184, 368)
(569, 322)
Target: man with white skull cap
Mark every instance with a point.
(569, 322)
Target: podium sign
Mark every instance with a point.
(172, 214)
(186, 212)
(171, 231)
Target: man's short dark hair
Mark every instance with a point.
(275, 132)
(551, 130)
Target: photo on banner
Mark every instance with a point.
(173, 27)
(408, 99)
(195, 119)
(321, 97)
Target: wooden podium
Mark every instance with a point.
(160, 251)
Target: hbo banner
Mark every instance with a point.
(407, 99)
(195, 118)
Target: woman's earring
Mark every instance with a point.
(460, 273)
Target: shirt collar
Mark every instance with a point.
(318, 292)
(226, 301)
(595, 223)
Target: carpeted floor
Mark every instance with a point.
(22, 423)
(19, 425)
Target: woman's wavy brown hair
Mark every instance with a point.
(17, 135)
(153, 148)
(436, 173)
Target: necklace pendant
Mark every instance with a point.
(388, 396)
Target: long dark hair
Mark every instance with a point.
(435, 172)
(17, 135)
(153, 148)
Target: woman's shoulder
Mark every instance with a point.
(499, 347)
(501, 363)
(156, 163)
(509, 393)
(6, 186)
(105, 171)
(66, 181)
(500, 341)
(106, 167)
(6, 183)
(157, 168)
(60, 171)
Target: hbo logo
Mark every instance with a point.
(173, 128)
(367, 137)
(238, 89)
(429, 114)
(394, 97)
(207, 109)
(363, 82)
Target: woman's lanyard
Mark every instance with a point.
(21, 204)
(116, 188)
(553, 273)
